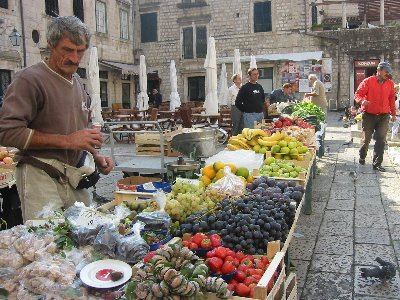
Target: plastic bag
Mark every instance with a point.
(230, 184)
(107, 239)
(132, 248)
(85, 222)
(156, 220)
(240, 158)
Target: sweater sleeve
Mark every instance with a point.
(392, 99)
(361, 93)
(18, 110)
(240, 99)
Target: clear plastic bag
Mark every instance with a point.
(132, 248)
(107, 239)
(156, 220)
(230, 184)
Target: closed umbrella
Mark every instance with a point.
(237, 66)
(253, 63)
(143, 98)
(94, 87)
(223, 87)
(175, 100)
(210, 64)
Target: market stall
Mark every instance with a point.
(217, 227)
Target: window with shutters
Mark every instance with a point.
(51, 7)
(262, 16)
(124, 24)
(194, 42)
(78, 9)
(196, 88)
(4, 4)
(101, 17)
(314, 15)
(103, 94)
(148, 27)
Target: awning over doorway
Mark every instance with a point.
(297, 56)
(125, 68)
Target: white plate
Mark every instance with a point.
(88, 273)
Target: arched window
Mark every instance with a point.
(314, 15)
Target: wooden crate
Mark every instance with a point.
(149, 144)
(128, 197)
(291, 287)
(302, 163)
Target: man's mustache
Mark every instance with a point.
(70, 63)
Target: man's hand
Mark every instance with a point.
(104, 164)
(85, 139)
(394, 118)
(364, 102)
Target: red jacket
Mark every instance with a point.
(380, 96)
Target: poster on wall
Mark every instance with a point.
(304, 86)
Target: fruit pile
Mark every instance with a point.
(214, 172)
(202, 241)
(173, 272)
(5, 157)
(273, 167)
(249, 223)
(186, 199)
(283, 122)
(285, 147)
(249, 139)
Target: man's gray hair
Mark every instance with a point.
(69, 26)
(312, 77)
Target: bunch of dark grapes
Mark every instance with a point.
(265, 214)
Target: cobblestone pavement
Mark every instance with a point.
(355, 218)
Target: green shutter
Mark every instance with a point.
(187, 43)
(262, 16)
(201, 42)
(148, 27)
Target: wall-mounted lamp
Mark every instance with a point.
(15, 37)
(322, 12)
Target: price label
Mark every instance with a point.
(89, 218)
(195, 182)
(149, 186)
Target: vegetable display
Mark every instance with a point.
(306, 109)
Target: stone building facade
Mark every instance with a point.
(111, 24)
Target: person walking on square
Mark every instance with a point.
(236, 114)
(376, 96)
(251, 100)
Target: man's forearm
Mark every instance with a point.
(40, 140)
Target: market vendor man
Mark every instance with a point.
(281, 95)
(46, 116)
(317, 94)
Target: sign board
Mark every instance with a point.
(366, 63)
(89, 218)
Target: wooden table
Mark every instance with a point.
(206, 118)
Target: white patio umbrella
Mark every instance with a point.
(94, 87)
(223, 87)
(175, 100)
(237, 66)
(253, 63)
(143, 98)
(210, 64)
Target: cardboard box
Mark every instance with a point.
(131, 183)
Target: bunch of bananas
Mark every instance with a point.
(246, 140)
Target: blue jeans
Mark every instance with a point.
(249, 118)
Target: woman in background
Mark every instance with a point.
(236, 114)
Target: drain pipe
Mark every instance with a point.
(21, 11)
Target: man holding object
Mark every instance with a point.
(46, 116)
(376, 96)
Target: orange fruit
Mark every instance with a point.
(208, 171)
(218, 165)
(250, 178)
(206, 180)
(220, 174)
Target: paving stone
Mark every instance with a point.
(346, 167)
(365, 169)
(365, 254)
(374, 287)
(327, 286)
(395, 232)
(342, 192)
(307, 232)
(369, 191)
(367, 235)
(300, 267)
(330, 244)
(320, 196)
(344, 177)
(370, 205)
(356, 297)
(366, 180)
(318, 207)
(331, 263)
(338, 215)
(390, 182)
(340, 204)
(396, 247)
(301, 248)
(336, 228)
(369, 220)
(393, 217)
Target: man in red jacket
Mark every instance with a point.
(376, 96)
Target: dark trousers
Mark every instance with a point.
(379, 124)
